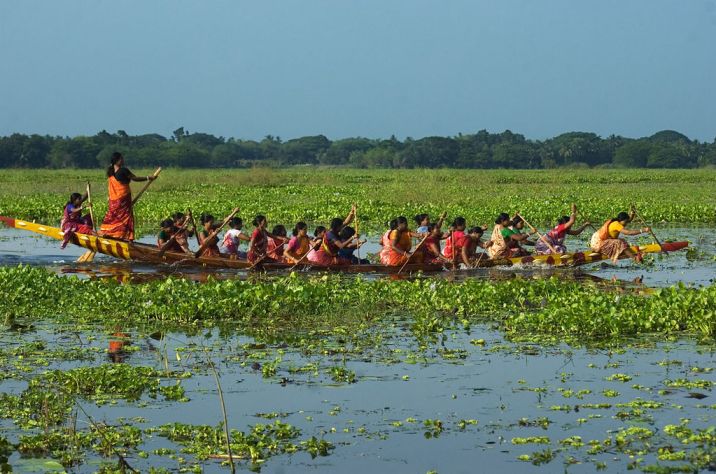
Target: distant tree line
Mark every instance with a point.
(665, 149)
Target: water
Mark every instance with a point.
(381, 423)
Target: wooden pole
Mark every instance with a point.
(633, 208)
(141, 191)
(542, 238)
(89, 201)
(193, 226)
(215, 232)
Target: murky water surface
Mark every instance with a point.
(466, 403)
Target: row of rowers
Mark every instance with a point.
(338, 244)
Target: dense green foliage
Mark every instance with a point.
(665, 149)
(295, 305)
(316, 195)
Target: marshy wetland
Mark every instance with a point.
(115, 366)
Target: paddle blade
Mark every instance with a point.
(86, 257)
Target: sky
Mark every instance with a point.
(371, 68)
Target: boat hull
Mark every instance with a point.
(127, 250)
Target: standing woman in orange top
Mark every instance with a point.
(119, 220)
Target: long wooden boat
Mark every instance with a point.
(136, 251)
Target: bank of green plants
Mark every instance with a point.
(291, 306)
(316, 195)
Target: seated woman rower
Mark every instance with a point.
(453, 237)
(182, 235)
(277, 243)
(73, 220)
(431, 246)
(555, 237)
(400, 244)
(168, 230)
(259, 243)
(316, 242)
(331, 243)
(385, 242)
(517, 238)
(422, 221)
(299, 245)
(212, 249)
(348, 234)
(607, 242)
(233, 238)
(506, 238)
(469, 256)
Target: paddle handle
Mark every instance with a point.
(141, 191)
(542, 238)
(641, 219)
(89, 201)
(193, 226)
(215, 232)
(416, 249)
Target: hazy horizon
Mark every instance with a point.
(372, 69)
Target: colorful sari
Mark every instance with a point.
(119, 220)
(299, 246)
(555, 238)
(450, 246)
(74, 222)
(327, 254)
(385, 249)
(499, 248)
(211, 250)
(405, 243)
(275, 248)
(607, 243)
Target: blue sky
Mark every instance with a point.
(363, 68)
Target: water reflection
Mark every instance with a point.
(118, 343)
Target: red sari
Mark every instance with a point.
(119, 220)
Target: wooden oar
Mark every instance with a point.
(215, 233)
(193, 226)
(542, 238)
(633, 208)
(588, 220)
(173, 238)
(89, 203)
(417, 247)
(141, 191)
(88, 256)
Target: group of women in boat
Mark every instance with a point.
(339, 243)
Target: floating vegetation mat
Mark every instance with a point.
(328, 374)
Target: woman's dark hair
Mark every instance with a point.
(336, 224)
(402, 220)
(431, 227)
(279, 230)
(393, 224)
(459, 222)
(517, 220)
(347, 232)
(563, 220)
(178, 216)
(258, 219)
(166, 223)
(73, 197)
(622, 216)
(420, 218)
(236, 222)
(502, 218)
(476, 230)
(114, 159)
(206, 218)
(319, 230)
(299, 227)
